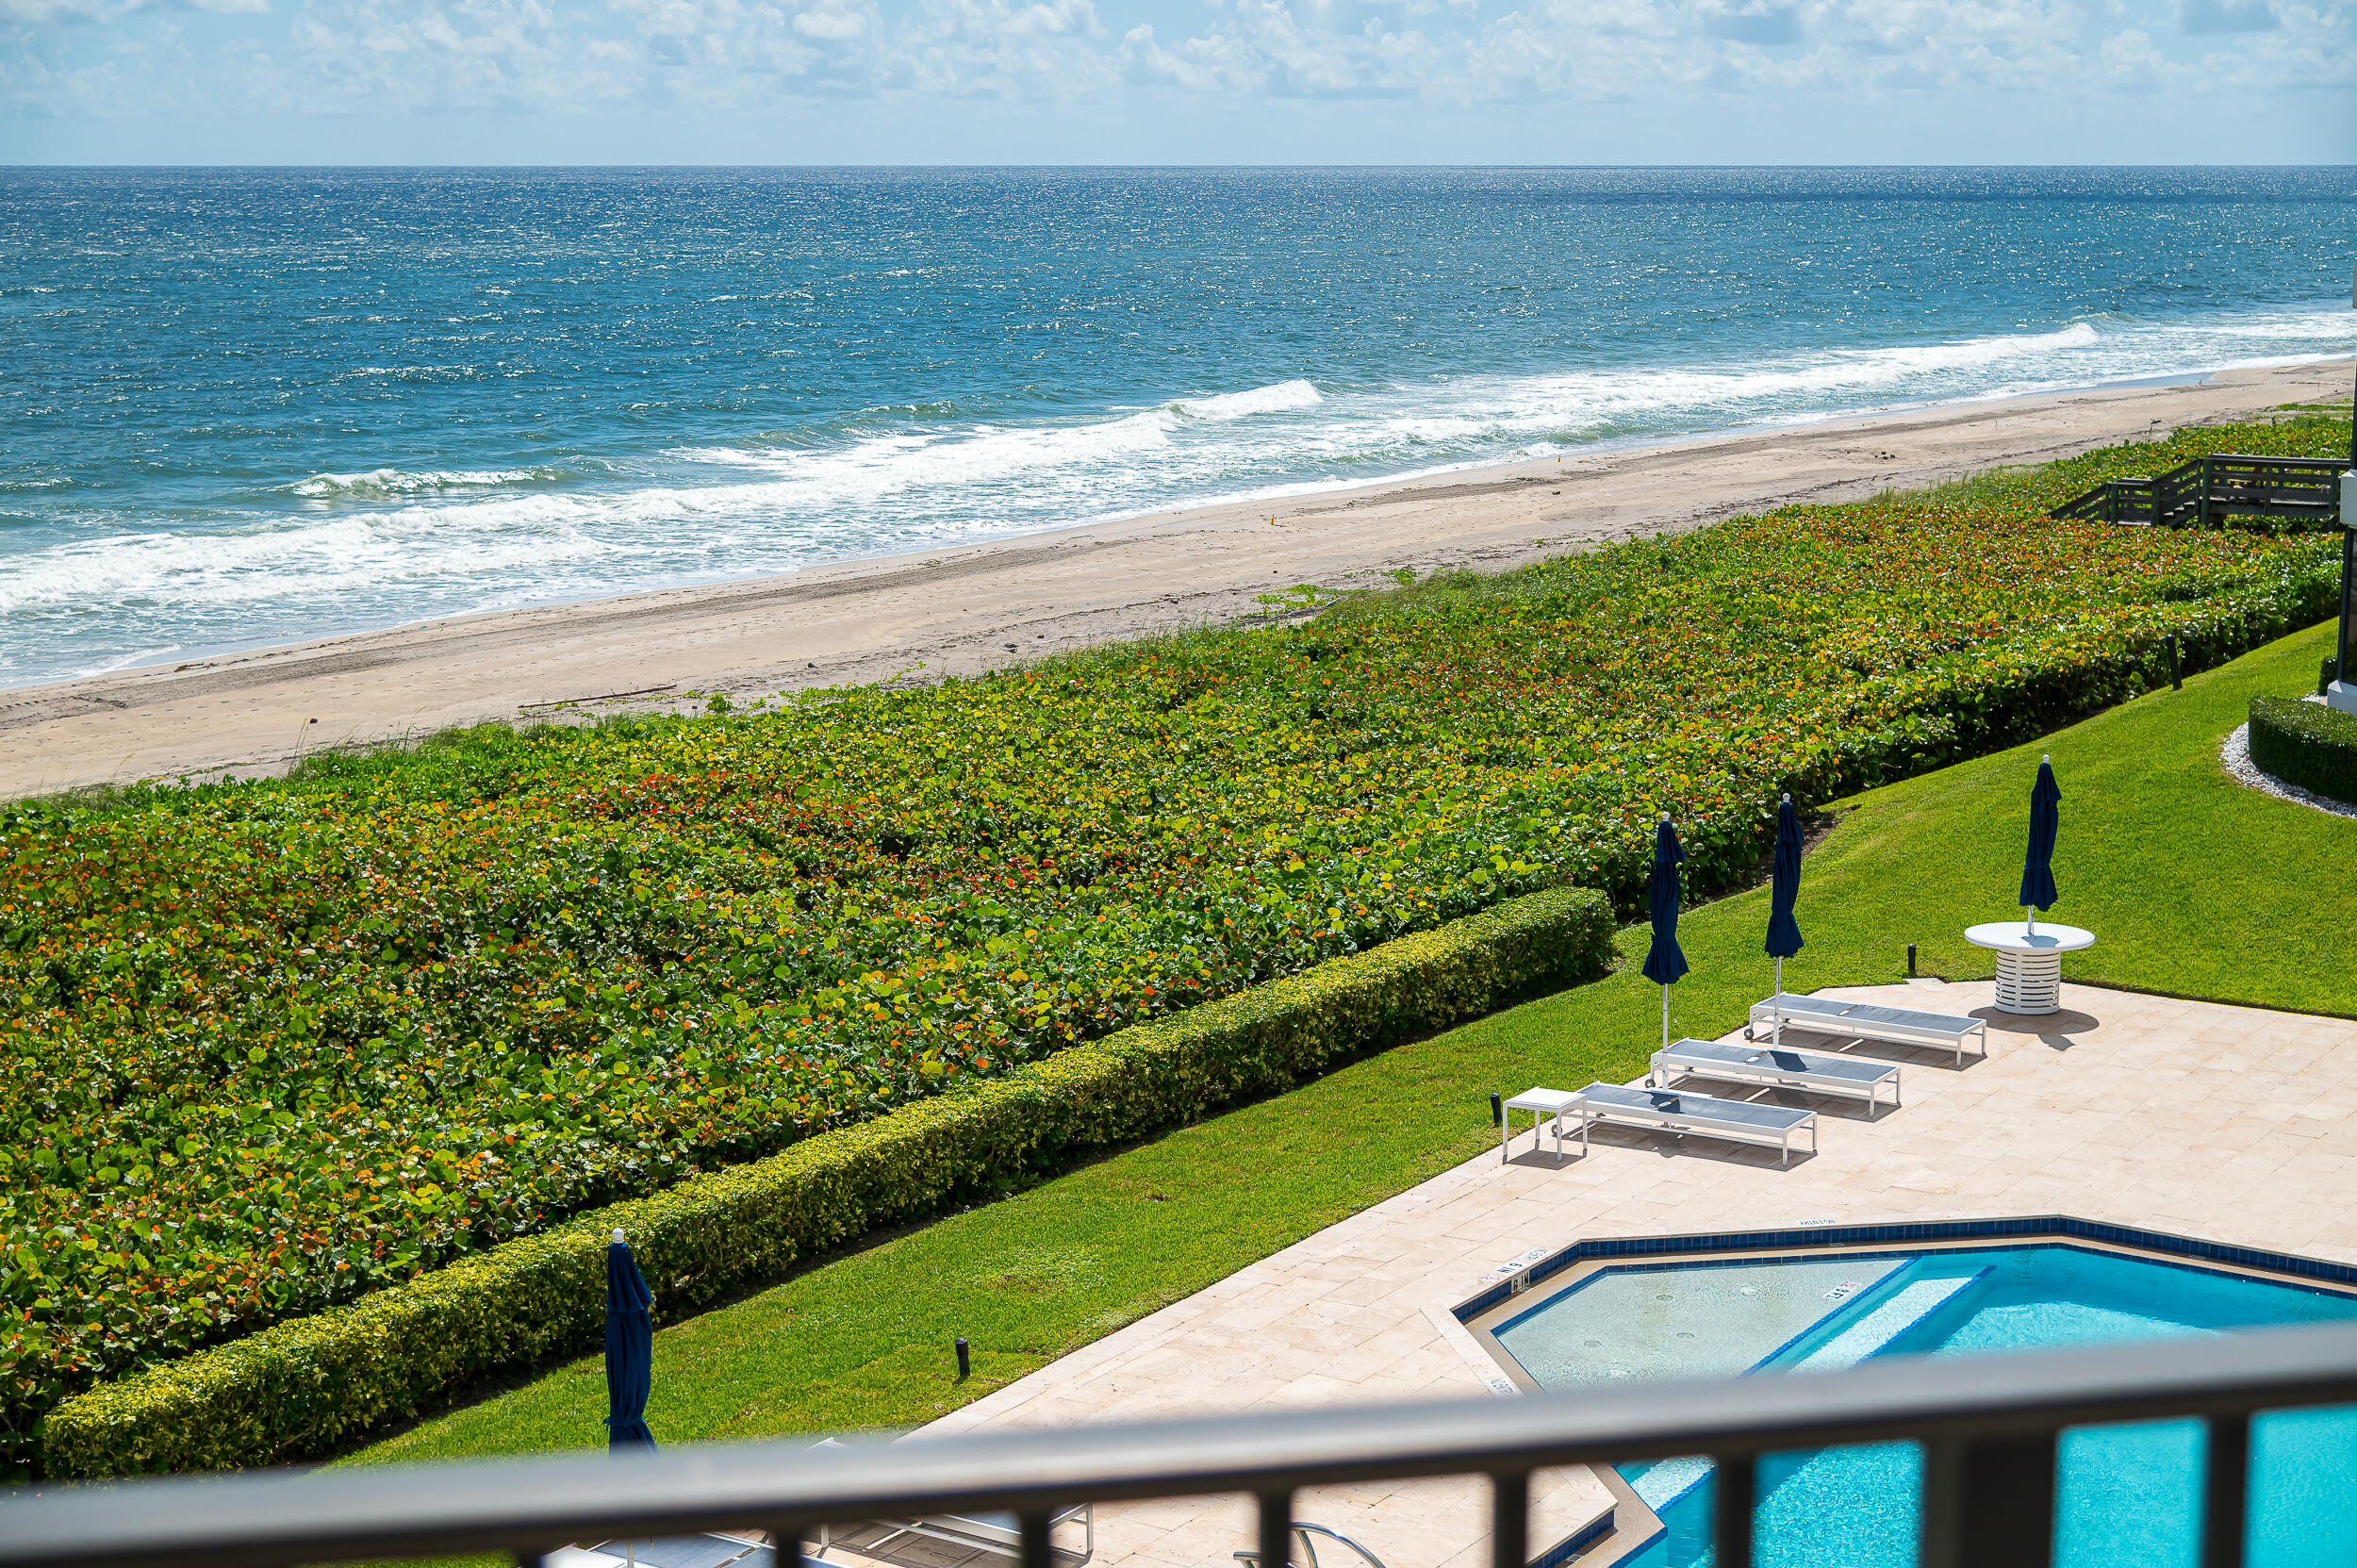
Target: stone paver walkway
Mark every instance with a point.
(2230, 1124)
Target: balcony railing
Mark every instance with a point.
(1989, 1425)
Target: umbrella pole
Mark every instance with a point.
(1775, 1036)
(2031, 911)
(1665, 1018)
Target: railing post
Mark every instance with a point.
(2202, 506)
(1988, 1504)
(1510, 1521)
(2225, 1491)
(1734, 1496)
(1277, 1529)
(1035, 1539)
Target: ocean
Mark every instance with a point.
(247, 406)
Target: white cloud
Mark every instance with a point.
(834, 21)
(56, 13)
(2227, 16)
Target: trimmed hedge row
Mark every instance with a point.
(2306, 744)
(306, 1387)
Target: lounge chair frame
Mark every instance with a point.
(1779, 1066)
(1858, 1020)
(978, 1533)
(1689, 1113)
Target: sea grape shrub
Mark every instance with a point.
(279, 1043)
(309, 1386)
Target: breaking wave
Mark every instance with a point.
(392, 482)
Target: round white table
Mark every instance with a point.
(2029, 963)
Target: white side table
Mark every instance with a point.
(1542, 1104)
(2029, 963)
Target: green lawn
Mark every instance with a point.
(2193, 885)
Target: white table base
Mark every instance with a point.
(2029, 963)
(2029, 983)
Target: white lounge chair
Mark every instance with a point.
(1682, 1110)
(1781, 1067)
(995, 1533)
(1859, 1020)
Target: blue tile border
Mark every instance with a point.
(2026, 1227)
(1581, 1538)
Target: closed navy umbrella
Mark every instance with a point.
(2038, 867)
(1665, 961)
(629, 1349)
(1783, 890)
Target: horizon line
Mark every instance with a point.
(1273, 167)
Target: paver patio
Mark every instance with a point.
(2223, 1122)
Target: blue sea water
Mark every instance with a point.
(247, 406)
(2127, 1496)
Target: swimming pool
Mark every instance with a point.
(2127, 1496)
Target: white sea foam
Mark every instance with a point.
(2303, 326)
(275, 560)
(875, 465)
(1284, 396)
(1477, 411)
(125, 661)
(414, 372)
(1974, 351)
(389, 482)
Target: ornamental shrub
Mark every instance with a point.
(2306, 744)
(304, 1387)
(275, 1046)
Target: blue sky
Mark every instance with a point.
(1179, 81)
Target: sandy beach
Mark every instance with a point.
(955, 612)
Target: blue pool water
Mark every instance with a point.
(2128, 1496)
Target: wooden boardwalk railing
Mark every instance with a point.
(2204, 492)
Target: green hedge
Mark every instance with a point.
(306, 1387)
(2306, 744)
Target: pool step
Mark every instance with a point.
(1664, 1481)
(1882, 1324)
